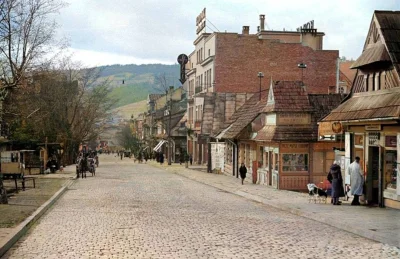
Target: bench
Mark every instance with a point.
(28, 178)
(16, 177)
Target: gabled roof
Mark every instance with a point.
(389, 23)
(345, 68)
(383, 40)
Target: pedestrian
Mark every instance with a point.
(335, 178)
(122, 154)
(356, 181)
(190, 159)
(243, 172)
(161, 158)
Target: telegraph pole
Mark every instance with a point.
(169, 126)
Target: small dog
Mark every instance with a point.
(316, 194)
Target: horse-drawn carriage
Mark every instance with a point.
(85, 164)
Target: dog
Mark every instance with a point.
(316, 193)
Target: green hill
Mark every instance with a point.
(132, 83)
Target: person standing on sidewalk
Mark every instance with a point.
(243, 172)
(335, 177)
(356, 181)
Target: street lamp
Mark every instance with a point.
(260, 75)
(302, 66)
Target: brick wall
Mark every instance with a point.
(239, 58)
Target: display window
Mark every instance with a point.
(294, 162)
(390, 169)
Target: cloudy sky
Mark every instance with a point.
(102, 32)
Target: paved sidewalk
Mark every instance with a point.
(382, 225)
(8, 236)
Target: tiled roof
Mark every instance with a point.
(349, 73)
(368, 105)
(289, 96)
(246, 114)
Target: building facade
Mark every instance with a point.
(371, 113)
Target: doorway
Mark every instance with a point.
(372, 181)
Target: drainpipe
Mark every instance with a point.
(337, 74)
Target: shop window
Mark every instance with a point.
(294, 162)
(390, 169)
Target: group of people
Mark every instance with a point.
(336, 180)
(356, 180)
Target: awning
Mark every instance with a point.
(159, 145)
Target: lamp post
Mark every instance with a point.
(302, 66)
(260, 75)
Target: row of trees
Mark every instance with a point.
(43, 95)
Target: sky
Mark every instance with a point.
(106, 32)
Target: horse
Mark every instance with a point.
(81, 167)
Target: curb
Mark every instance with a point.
(23, 227)
(312, 216)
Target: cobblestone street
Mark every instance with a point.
(138, 211)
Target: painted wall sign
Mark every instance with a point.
(391, 141)
(293, 119)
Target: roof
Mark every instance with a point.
(368, 105)
(288, 96)
(344, 67)
(389, 22)
(246, 114)
(371, 55)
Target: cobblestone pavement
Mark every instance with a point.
(137, 211)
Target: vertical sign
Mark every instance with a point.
(201, 22)
(347, 152)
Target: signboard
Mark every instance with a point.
(373, 127)
(182, 60)
(306, 26)
(201, 22)
(294, 119)
(391, 141)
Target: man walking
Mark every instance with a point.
(356, 181)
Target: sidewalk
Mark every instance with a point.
(35, 201)
(382, 225)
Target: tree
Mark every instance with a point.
(66, 105)
(27, 35)
(128, 140)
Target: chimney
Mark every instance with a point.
(262, 21)
(245, 30)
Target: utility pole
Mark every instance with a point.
(169, 126)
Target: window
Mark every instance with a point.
(294, 162)
(209, 52)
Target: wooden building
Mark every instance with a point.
(276, 137)
(370, 115)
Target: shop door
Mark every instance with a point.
(372, 181)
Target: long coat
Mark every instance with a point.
(337, 181)
(356, 179)
(243, 171)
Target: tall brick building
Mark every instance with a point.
(229, 63)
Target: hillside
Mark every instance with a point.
(132, 83)
(131, 109)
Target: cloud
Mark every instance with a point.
(154, 30)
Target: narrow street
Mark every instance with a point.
(138, 211)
